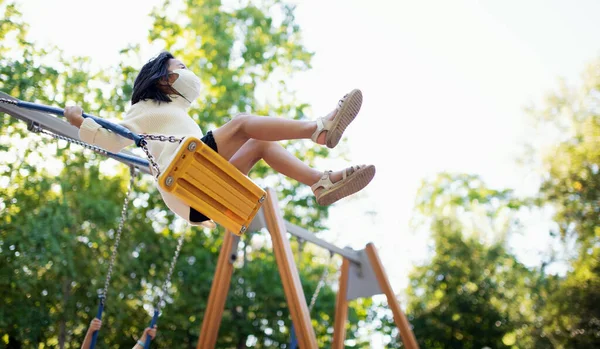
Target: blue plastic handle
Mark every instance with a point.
(118, 129)
(99, 317)
(294, 340)
(152, 323)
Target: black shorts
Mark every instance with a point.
(195, 216)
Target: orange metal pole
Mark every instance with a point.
(218, 295)
(289, 273)
(406, 334)
(341, 308)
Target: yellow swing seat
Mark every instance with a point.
(210, 184)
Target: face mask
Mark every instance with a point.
(187, 84)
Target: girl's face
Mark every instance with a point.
(173, 64)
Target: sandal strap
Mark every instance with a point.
(354, 169)
(324, 182)
(322, 125)
(342, 100)
(320, 128)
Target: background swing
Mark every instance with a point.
(103, 295)
(197, 175)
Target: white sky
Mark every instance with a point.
(444, 86)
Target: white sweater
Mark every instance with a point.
(170, 119)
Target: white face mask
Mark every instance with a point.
(187, 84)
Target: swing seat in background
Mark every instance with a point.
(204, 180)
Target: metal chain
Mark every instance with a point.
(118, 236)
(155, 167)
(124, 209)
(320, 285)
(153, 164)
(38, 129)
(9, 101)
(143, 144)
(315, 295)
(162, 138)
(171, 269)
(151, 158)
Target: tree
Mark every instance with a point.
(571, 186)
(473, 293)
(59, 225)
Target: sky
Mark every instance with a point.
(444, 87)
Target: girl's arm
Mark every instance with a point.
(94, 326)
(91, 132)
(148, 331)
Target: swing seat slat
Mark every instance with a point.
(211, 181)
(210, 184)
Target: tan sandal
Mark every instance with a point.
(348, 108)
(353, 180)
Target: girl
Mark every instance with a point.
(163, 92)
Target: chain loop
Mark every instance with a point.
(320, 285)
(118, 236)
(162, 138)
(38, 129)
(124, 210)
(151, 158)
(171, 269)
(9, 101)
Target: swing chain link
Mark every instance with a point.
(320, 285)
(118, 236)
(161, 138)
(151, 158)
(37, 129)
(144, 145)
(9, 101)
(171, 269)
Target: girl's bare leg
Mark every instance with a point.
(234, 134)
(278, 159)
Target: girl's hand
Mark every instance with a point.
(95, 325)
(149, 331)
(74, 115)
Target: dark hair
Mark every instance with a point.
(146, 83)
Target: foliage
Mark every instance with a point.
(473, 292)
(60, 206)
(571, 185)
(467, 294)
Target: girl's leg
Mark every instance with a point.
(231, 136)
(281, 161)
(327, 130)
(277, 158)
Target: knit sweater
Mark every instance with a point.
(170, 119)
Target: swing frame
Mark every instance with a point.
(362, 275)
